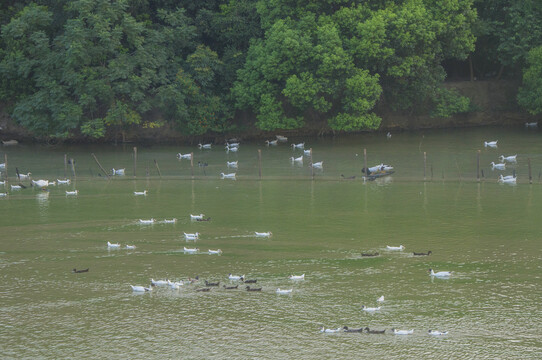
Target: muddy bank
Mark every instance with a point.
(494, 101)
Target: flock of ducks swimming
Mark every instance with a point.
(510, 159)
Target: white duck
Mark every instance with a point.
(170, 221)
(307, 152)
(380, 299)
(507, 177)
(232, 144)
(388, 135)
(191, 236)
(490, 143)
(284, 291)
(272, 142)
(191, 250)
(40, 183)
(16, 187)
(281, 138)
(2, 166)
(236, 277)
(24, 176)
(232, 149)
(72, 193)
(531, 124)
(119, 172)
(3, 194)
(147, 221)
(130, 247)
(184, 156)
(370, 309)
(508, 180)
(510, 158)
(296, 159)
(217, 252)
(297, 277)
(403, 332)
(140, 288)
(227, 176)
(395, 248)
(159, 282)
(232, 164)
(263, 234)
(140, 193)
(437, 332)
(324, 330)
(113, 246)
(298, 146)
(500, 166)
(440, 273)
(318, 165)
(2, 183)
(205, 146)
(196, 217)
(63, 182)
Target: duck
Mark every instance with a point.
(200, 164)
(184, 156)
(140, 288)
(298, 146)
(160, 282)
(175, 285)
(507, 180)
(140, 193)
(490, 143)
(190, 250)
(370, 254)
(63, 182)
(307, 152)
(147, 221)
(119, 172)
(346, 329)
(227, 176)
(369, 331)
(281, 138)
(72, 193)
(130, 247)
(348, 177)
(232, 144)
(205, 146)
(510, 158)
(440, 273)
(113, 246)
(263, 234)
(423, 254)
(196, 217)
(204, 290)
(251, 281)
(370, 309)
(500, 166)
(24, 176)
(79, 271)
(16, 187)
(388, 135)
(437, 332)
(212, 284)
(206, 219)
(380, 299)
(399, 248)
(4, 194)
(191, 236)
(271, 142)
(218, 252)
(230, 287)
(2, 183)
(531, 124)
(298, 159)
(252, 289)
(170, 221)
(402, 332)
(231, 164)
(507, 177)
(319, 164)
(297, 277)
(40, 183)
(2, 166)
(324, 330)
(236, 277)
(232, 149)
(284, 291)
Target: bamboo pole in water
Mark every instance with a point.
(192, 164)
(65, 166)
(530, 173)
(312, 167)
(424, 166)
(135, 161)
(260, 163)
(157, 168)
(365, 162)
(73, 168)
(478, 165)
(100, 165)
(6, 166)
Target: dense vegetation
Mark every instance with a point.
(89, 67)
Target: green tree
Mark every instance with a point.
(530, 94)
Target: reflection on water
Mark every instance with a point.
(487, 234)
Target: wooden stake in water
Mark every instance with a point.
(135, 160)
(73, 168)
(65, 166)
(312, 167)
(192, 164)
(157, 168)
(530, 173)
(6, 166)
(260, 163)
(424, 166)
(100, 165)
(478, 166)
(365, 162)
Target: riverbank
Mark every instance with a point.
(494, 101)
